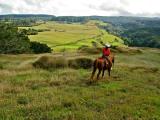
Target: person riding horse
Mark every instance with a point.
(105, 53)
(103, 63)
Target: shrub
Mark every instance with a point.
(80, 63)
(43, 30)
(37, 48)
(48, 62)
(29, 31)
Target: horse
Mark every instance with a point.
(100, 64)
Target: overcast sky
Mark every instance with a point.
(149, 8)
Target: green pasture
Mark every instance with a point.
(131, 93)
(72, 36)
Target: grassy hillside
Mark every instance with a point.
(72, 36)
(131, 93)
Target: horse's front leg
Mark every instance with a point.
(99, 72)
(93, 72)
(109, 72)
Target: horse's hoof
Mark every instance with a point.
(89, 82)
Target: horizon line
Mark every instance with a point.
(79, 15)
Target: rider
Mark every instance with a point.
(106, 52)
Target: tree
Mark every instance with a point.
(37, 48)
(11, 41)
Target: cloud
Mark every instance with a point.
(124, 2)
(129, 8)
(4, 8)
(82, 7)
(28, 7)
(34, 2)
(115, 9)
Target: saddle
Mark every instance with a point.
(104, 59)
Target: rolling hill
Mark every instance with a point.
(137, 31)
(72, 36)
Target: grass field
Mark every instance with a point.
(72, 36)
(131, 93)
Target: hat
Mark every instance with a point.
(107, 45)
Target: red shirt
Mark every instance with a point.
(106, 52)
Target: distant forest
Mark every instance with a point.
(136, 31)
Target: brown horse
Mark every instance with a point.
(102, 66)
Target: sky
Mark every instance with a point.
(145, 8)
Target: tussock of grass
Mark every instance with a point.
(48, 62)
(80, 63)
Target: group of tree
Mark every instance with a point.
(141, 32)
(14, 42)
(32, 31)
(70, 19)
(28, 31)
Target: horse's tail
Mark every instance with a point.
(113, 60)
(96, 64)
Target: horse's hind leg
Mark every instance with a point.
(93, 72)
(109, 72)
(103, 73)
(99, 72)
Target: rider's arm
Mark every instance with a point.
(103, 51)
(109, 51)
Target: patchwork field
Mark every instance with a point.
(131, 93)
(72, 36)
